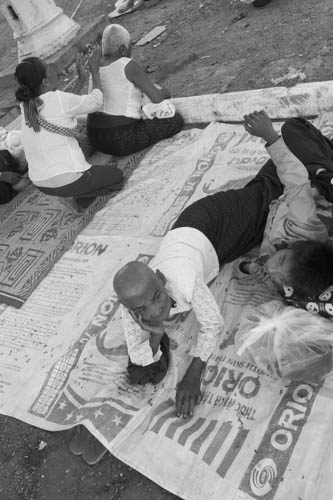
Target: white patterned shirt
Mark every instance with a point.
(188, 261)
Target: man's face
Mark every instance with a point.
(278, 267)
(151, 303)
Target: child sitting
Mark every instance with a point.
(120, 129)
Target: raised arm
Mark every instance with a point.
(75, 105)
(135, 74)
(302, 218)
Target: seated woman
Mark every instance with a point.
(56, 163)
(120, 129)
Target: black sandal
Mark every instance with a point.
(260, 3)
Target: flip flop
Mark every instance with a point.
(117, 13)
(80, 440)
(94, 451)
(260, 3)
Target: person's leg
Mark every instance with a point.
(102, 180)
(110, 134)
(307, 143)
(314, 150)
(149, 132)
(234, 220)
(127, 139)
(99, 179)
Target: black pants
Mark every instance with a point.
(234, 220)
(99, 179)
(133, 136)
(314, 150)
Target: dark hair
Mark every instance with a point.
(311, 272)
(29, 75)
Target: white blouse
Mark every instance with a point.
(188, 261)
(50, 154)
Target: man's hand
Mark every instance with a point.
(260, 125)
(80, 68)
(188, 391)
(10, 178)
(157, 329)
(94, 60)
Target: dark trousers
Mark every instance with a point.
(99, 179)
(314, 150)
(234, 220)
(128, 138)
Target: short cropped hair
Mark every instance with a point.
(311, 272)
(114, 36)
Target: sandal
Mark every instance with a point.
(125, 7)
(94, 451)
(80, 440)
(260, 3)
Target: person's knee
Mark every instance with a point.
(292, 124)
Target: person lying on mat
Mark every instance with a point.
(11, 180)
(56, 162)
(11, 184)
(120, 129)
(209, 233)
(295, 252)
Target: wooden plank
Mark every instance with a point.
(154, 33)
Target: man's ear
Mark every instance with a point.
(123, 50)
(45, 82)
(160, 276)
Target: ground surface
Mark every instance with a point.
(209, 46)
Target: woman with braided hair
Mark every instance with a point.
(56, 162)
